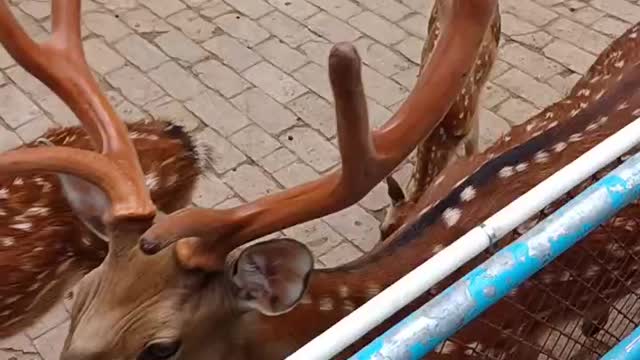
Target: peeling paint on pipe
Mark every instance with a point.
(627, 349)
(427, 327)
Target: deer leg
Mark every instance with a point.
(595, 320)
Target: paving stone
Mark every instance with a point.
(18, 343)
(377, 199)
(343, 9)
(217, 113)
(415, 24)
(224, 156)
(491, 127)
(8, 139)
(250, 183)
(168, 108)
(316, 234)
(317, 112)
(44, 97)
(332, 28)
(563, 84)
(134, 85)
(286, 29)
(516, 111)
(36, 9)
(384, 91)
(100, 56)
(242, 28)
(542, 95)
(492, 95)
(357, 226)
(578, 35)
(380, 57)
(215, 8)
(140, 52)
(378, 28)
(144, 21)
(619, 8)
(129, 112)
(252, 8)
(264, 111)
(254, 142)
(311, 147)
(295, 174)
(574, 58)
(277, 160)
(281, 55)
(105, 25)
(163, 8)
(317, 51)
(15, 107)
(193, 25)
(54, 317)
(274, 82)
(411, 47)
(176, 81)
(528, 11)
(177, 45)
(297, 9)
(210, 191)
(392, 10)
(528, 61)
(315, 78)
(611, 26)
(232, 53)
(50, 344)
(341, 254)
(513, 25)
(34, 128)
(221, 78)
(538, 39)
(5, 59)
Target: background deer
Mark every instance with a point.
(460, 126)
(50, 235)
(206, 299)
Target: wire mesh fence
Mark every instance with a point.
(577, 307)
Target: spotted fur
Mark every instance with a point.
(44, 248)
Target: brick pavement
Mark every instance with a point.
(249, 77)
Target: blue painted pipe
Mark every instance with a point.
(430, 325)
(627, 349)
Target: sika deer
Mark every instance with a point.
(121, 206)
(460, 125)
(264, 300)
(49, 240)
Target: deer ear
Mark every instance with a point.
(88, 202)
(395, 191)
(270, 276)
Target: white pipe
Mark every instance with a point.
(402, 292)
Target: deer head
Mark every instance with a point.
(153, 307)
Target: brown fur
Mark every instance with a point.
(51, 248)
(459, 126)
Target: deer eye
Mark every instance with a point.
(160, 351)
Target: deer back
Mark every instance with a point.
(45, 248)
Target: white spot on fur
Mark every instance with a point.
(438, 248)
(636, 112)
(12, 299)
(152, 181)
(559, 147)
(343, 290)
(633, 35)
(451, 216)
(576, 137)
(506, 171)
(468, 194)
(348, 306)
(18, 181)
(552, 125)
(584, 92)
(522, 167)
(325, 304)
(623, 106)
(7, 241)
(38, 211)
(619, 64)
(600, 94)
(22, 226)
(373, 290)
(4, 194)
(548, 115)
(541, 157)
(574, 112)
(306, 299)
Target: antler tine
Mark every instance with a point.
(367, 157)
(60, 64)
(354, 136)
